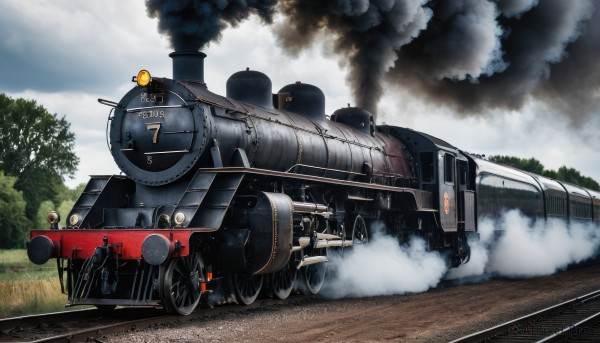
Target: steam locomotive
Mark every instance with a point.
(252, 191)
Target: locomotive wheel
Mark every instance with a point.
(245, 287)
(463, 254)
(313, 276)
(281, 283)
(180, 283)
(359, 231)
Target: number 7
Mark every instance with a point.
(153, 126)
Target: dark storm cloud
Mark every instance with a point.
(68, 46)
(30, 61)
(52, 71)
(191, 24)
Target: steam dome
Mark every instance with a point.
(252, 87)
(355, 117)
(304, 99)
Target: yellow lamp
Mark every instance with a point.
(143, 78)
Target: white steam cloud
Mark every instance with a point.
(542, 248)
(524, 249)
(383, 267)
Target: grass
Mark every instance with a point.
(14, 265)
(26, 288)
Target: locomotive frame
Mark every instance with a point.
(228, 193)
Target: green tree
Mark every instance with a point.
(38, 148)
(13, 223)
(42, 216)
(63, 210)
(573, 176)
(66, 197)
(76, 192)
(563, 173)
(527, 164)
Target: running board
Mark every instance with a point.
(101, 192)
(218, 199)
(206, 200)
(188, 205)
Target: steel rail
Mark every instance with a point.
(37, 319)
(505, 332)
(89, 325)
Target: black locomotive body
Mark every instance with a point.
(233, 192)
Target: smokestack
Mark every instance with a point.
(188, 66)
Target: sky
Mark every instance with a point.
(66, 55)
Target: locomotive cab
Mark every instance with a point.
(443, 170)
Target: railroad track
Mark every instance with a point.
(93, 325)
(70, 326)
(576, 320)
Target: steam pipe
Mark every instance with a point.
(307, 261)
(307, 207)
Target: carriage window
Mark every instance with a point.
(449, 168)
(426, 166)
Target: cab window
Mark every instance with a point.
(427, 174)
(449, 168)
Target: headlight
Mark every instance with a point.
(179, 218)
(143, 78)
(74, 220)
(53, 217)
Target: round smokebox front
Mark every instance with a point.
(155, 136)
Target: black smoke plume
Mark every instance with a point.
(471, 55)
(548, 52)
(366, 32)
(192, 24)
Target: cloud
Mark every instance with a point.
(384, 267)
(64, 46)
(511, 246)
(88, 121)
(541, 248)
(525, 248)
